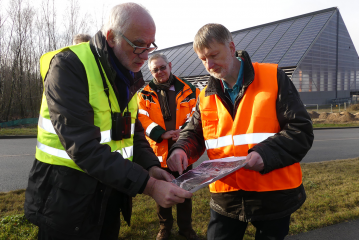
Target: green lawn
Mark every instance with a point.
(332, 197)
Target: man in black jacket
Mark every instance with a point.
(80, 181)
(250, 110)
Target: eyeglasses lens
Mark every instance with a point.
(162, 68)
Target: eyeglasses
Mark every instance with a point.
(162, 68)
(137, 49)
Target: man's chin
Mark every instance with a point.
(216, 75)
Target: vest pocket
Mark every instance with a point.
(209, 124)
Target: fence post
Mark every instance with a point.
(339, 107)
(331, 108)
(317, 107)
(345, 106)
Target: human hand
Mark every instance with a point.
(178, 161)
(176, 134)
(160, 174)
(254, 162)
(164, 193)
(167, 135)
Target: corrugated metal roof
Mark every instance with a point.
(283, 42)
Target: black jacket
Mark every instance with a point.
(288, 146)
(73, 202)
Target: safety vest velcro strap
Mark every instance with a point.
(251, 138)
(150, 127)
(141, 111)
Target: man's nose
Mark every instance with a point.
(143, 55)
(210, 63)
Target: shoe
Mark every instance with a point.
(163, 234)
(189, 234)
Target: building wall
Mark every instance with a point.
(319, 78)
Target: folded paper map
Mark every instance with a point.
(208, 172)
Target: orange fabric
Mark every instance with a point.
(184, 112)
(256, 114)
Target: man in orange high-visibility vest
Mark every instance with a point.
(253, 110)
(166, 105)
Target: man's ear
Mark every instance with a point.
(110, 37)
(170, 65)
(232, 47)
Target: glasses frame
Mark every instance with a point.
(159, 68)
(137, 47)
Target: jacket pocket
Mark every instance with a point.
(71, 204)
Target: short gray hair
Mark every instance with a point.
(119, 18)
(209, 33)
(156, 56)
(79, 38)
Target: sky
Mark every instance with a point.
(178, 21)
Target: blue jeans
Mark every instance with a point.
(221, 227)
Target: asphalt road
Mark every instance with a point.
(17, 155)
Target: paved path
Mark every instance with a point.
(341, 231)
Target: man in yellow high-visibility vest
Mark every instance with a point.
(92, 156)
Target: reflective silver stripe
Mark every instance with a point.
(46, 124)
(141, 111)
(251, 138)
(106, 136)
(219, 142)
(193, 109)
(149, 128)
(127, 152)
(160, 158)
(52, 151)
(132, 128)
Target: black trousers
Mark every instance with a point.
(111, 224)
(184, 211)
(221, 227)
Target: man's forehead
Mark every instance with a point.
(158, 62)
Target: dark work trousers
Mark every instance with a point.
(221, 227)
(184, 211)
(111, 224)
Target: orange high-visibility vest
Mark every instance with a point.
(255, 121)
(150, 115)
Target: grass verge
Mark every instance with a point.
(18, 131)
(332, 197)
(335, 125)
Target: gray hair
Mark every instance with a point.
(209, 33)
(119, 18)
(79, 38)
(156, 56)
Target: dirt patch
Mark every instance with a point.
(333, 117)
(313, 114)
(342, 117)
(323, 115)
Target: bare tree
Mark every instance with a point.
(74, 22)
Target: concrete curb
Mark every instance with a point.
(17, 136)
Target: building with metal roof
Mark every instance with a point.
(315, 50)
